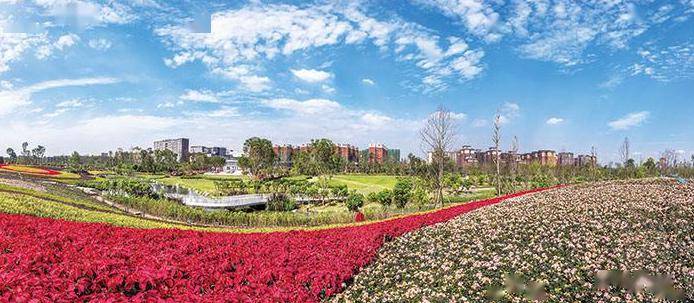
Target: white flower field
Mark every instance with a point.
(619, 241)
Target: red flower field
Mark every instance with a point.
(30, 170)
(60, 261)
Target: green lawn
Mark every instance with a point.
(365, 183)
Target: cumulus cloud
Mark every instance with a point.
(368, 81)
(554, 121)
(311, 75)
(630, 120)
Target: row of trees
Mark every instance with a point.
(26, 155)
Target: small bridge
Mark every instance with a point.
(221, 202)
(237, 201)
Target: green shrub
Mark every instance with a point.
(385, 197)
(354, 201)
(280, 202)
(402, 192)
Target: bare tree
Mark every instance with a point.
(496, 139)
(513, 155)
(624, 151)
(593, 162)
(438, 136)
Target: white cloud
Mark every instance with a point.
(224, 111)
(12, 47)
(307, 107)
(199, 96)
(327, 89)
(70, 103)
(55, 113)
(12, 99)
(665, 63)
(508, 111)
(562, 31)
(85, 14)
(375, 119)
(554, 121)
(64, 41)
(629, 121)
(479, 18)
(368, 81)
(311, 75)
(237, 42)
(100, 44)
(458, 116)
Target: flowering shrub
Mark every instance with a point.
(54, 260)
(550, 246)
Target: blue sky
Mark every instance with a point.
(94, 76)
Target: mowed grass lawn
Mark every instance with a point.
(365, 184)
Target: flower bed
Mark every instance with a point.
(56, 260)
(30, 170)
(553, 246)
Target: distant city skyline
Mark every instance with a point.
(91, 76)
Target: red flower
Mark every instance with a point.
(54, 260)
(359, 217)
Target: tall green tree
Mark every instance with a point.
(12, 154)
(75, 161)
(165, 161)
(259, 158)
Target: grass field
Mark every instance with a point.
(365, 183)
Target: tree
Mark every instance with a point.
(624, 151)
(12, 154)
(258, 158)
(496, 139)
(26, 153)
(75, 161)
(38, 153)
(165, 161)
(438, 136)
(402, 191)
(513, 154)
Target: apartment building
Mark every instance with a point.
(347, 152)
(566, 159)
(214, 151)
(378, 153)
(285, 153)
(179, 146)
